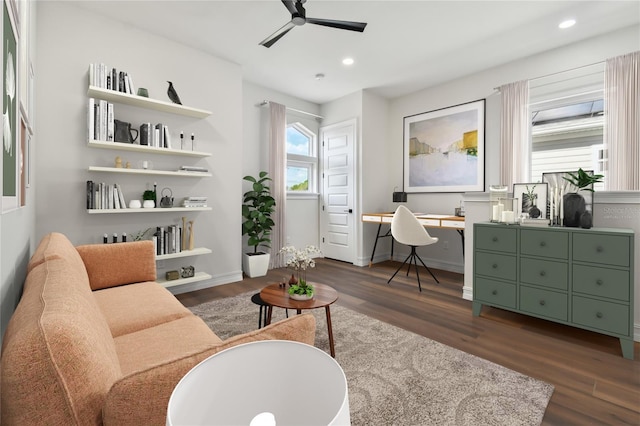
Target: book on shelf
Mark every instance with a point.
(104, 196)
(193, 169)
(110, 124)
(110, 78)
(91, 119)
(194, 201)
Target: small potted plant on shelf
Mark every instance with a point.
(300, 261)
(149, 199)
(574, 205)
(257, 208)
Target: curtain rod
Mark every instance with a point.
(560, 72)
(265, 102)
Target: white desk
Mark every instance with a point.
(427, 220)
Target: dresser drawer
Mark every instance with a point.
(607, 316)
(597, 281)
(545, 303)
(495, 265)
(495, 238)
(554, 244)
(544, 273)
(598, 248)
(494, 292)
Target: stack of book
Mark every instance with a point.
(155, 136)
(168, 239)
(110, 78)
(100, 120)
(193, 169)
(535, 222)
(105, 196)
(194, 202)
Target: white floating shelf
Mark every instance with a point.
(121, 146)
(154, 210)
(185, 253)
(149, 172)
(199, 276)
(142, 102)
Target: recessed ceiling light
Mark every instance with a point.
(567, 23)
(348, 61)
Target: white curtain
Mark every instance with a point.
(622, 128)
(277, 172)
(515, 143)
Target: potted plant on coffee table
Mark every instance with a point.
(257, 208)
(300, 261)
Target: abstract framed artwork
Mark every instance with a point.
(532, 198)
(10, 151)
(444, 150)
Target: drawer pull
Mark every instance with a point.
(542, 302)
(599, 282)
(543, 273)
(599, 249)
(599, 315)
(542, 244)
(494, 292)
(494, 239)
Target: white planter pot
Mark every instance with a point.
(255, 265)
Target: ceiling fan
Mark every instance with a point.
(299, 17)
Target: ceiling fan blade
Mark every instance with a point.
(269, 41)
(343, 25)
(290, 5)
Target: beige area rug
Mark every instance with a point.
(396, 377)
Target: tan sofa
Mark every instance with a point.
(94, 340)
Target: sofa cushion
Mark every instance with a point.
(134, 307)
(163, 343)
(55, 246)
(58, 357)
(110, 265)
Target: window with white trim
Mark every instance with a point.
(567, 123)
(302, 159)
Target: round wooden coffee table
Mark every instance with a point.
(276, 295)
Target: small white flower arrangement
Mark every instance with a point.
(300, 261)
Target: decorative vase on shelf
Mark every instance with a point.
(149, 204)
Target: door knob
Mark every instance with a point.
(349, 211)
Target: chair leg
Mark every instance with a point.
(398, 270)
(427, 268)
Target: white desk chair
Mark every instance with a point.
(406, 229)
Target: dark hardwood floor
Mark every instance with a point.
(594, 384)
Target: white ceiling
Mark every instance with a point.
(407, 45)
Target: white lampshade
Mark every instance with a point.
(264, 383)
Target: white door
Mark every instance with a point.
(337, 216)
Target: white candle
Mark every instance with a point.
(497, 212)
(507, 217)
(561, 201)
(145, 164)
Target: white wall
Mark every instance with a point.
(17, 228)
(302, 213)
(69, 39)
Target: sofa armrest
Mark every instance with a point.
(142, 397)
(110, 265)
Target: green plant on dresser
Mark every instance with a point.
(573, 276)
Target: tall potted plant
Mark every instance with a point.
(257, 207)
(574, 205)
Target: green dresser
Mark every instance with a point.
(579, 277)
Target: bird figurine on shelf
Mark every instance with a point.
(171, 92)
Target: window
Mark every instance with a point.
(567, 122)
(302, 159)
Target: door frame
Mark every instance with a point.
(356, 184)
